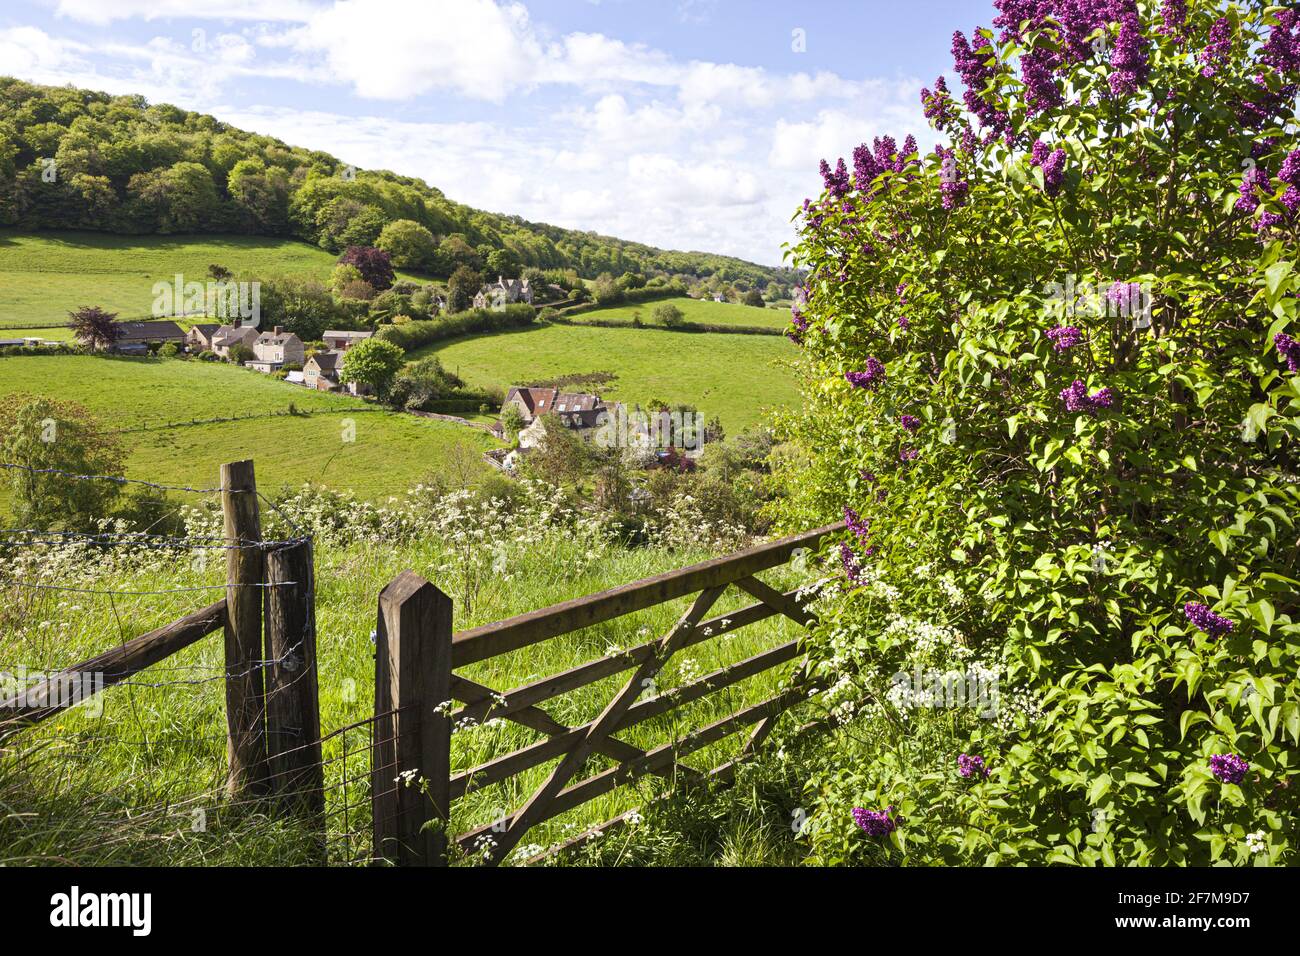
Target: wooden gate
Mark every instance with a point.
(416, 663)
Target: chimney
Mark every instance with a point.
(238, 322)
(279, 329)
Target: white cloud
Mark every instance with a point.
(474, 47)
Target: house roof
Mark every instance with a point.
(573, 407)
(345, 335)
(204, 328)
(326, 361)
(138, 332)
(275, 338)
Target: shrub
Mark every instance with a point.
(669, 316)
(1051, 383)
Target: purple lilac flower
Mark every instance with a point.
(1052, 162)
(876, 823)
(1289, 349)
(1064, 337)
(938, 105)
(852, 567)
(799, 323)
(1247, 201)
(910, 422)
(1290, 171)
(871, 378)
(972, 765)
(1205, 619)
(1267, 220)
(1173, 17)
(1077, 399)
(952, 188)
(1228, 768)
(837, 181)
(1282, 48)
(904, 322)
(972, 65)
(1218, 47)
(860, 527)
(907, 453)
(1128, 60)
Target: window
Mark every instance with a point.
(561, 406)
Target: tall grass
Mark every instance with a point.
(140, 781)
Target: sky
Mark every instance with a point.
(686, 124)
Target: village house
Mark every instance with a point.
(342, 341)
(275, 349)
(321, 372)
(199, 337)
(136, 337)
(581, 412)
(504, 292)
(228, 336)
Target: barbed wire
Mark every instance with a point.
(199, 587)
(144, 539)
(116, 479)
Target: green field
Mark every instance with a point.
(389, 451)
(43, 276)
(695, 310)
(735, 377)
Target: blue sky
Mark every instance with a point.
(688, 124)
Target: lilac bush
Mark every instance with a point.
(1119, 478)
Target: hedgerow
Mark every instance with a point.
(1052, 385)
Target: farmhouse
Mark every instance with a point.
(504, 292)
(138, 336)
(583, 413)
(276, 349)
(199, 337)
(228, 336)
(321, 372)
(342, 341)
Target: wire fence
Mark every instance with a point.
(118, 795)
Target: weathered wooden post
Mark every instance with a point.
(295, 773)
(411, 756)
(245, 718)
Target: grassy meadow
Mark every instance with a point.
(738, 378)
(705, 312)
(44, 276)
(136, 772)
(388, 452)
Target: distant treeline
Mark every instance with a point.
(78, 159)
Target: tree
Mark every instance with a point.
(240, 353)
(461, 289)
(1051, 387)
(45, 435)
(668, 315)
(504, 263)
(374, 265)
(753, 297)
(410, 245)
(94, 328)
(421, 383)
(372, 363)
(561, 458)
(301, 304)
(512, 420)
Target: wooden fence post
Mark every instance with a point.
(411, 757)
(293, 745)
(245, 718)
